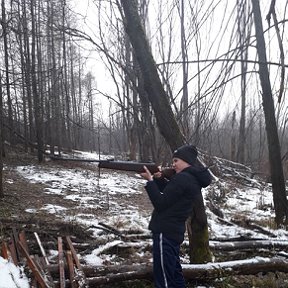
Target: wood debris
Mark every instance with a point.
(67, 271)
(17, 252)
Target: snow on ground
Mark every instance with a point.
(88, 191)
(252, 203)
(11, 276)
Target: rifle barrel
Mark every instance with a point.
(78, 159)
(129, 166)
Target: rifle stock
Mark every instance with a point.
(129, 166)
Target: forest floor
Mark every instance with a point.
(20, 193)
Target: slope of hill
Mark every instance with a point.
(108, 210)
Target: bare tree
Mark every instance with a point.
(89, 79)
(6, 58)
(244, 31)
(20, 37)
(1, 140)
(153, 86)
(27, 72)
(164, 115)
(276, 169)
(66, 91)
(185, 67)
(36, 97)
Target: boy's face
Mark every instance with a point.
(179, 164)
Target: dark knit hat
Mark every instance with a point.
(187, 153)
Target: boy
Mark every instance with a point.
(172, 201)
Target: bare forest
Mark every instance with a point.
(135, 79)
(55, 97)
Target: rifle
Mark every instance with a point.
(129, 166)
(123, 165)
(136, 167)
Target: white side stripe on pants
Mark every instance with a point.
(162, 259)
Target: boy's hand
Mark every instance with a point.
(147, 174)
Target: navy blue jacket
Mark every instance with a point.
(173, 200)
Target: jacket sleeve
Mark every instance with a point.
(161, 183)
(170, 195)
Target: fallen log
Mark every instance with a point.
(61, 262)
(198, 272)
(247, 224)
(92, 271)
(251, 266)
(236, 244)
(114, 274)
(144, 273)
(38, 276)
(253, 244)
(71, 270)
(214, 246)
(79, 273)
(262, 230)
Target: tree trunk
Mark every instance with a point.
(23, 80)
(91, 136)
(184, 56)
(164, 115)
(66, 82)
(276, 168)
(74, 113)
(6, 58)
(41, 73)
(233, 138)
(36, 97)
(77, 103)
(27, 71)
(145, 129)
(153, 86)
(1, 140)
(243, 34)
(53, 129)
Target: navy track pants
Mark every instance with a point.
(167, 270)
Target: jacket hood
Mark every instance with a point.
(202, 175)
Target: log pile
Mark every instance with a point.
(70, 271)
(67, 271)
